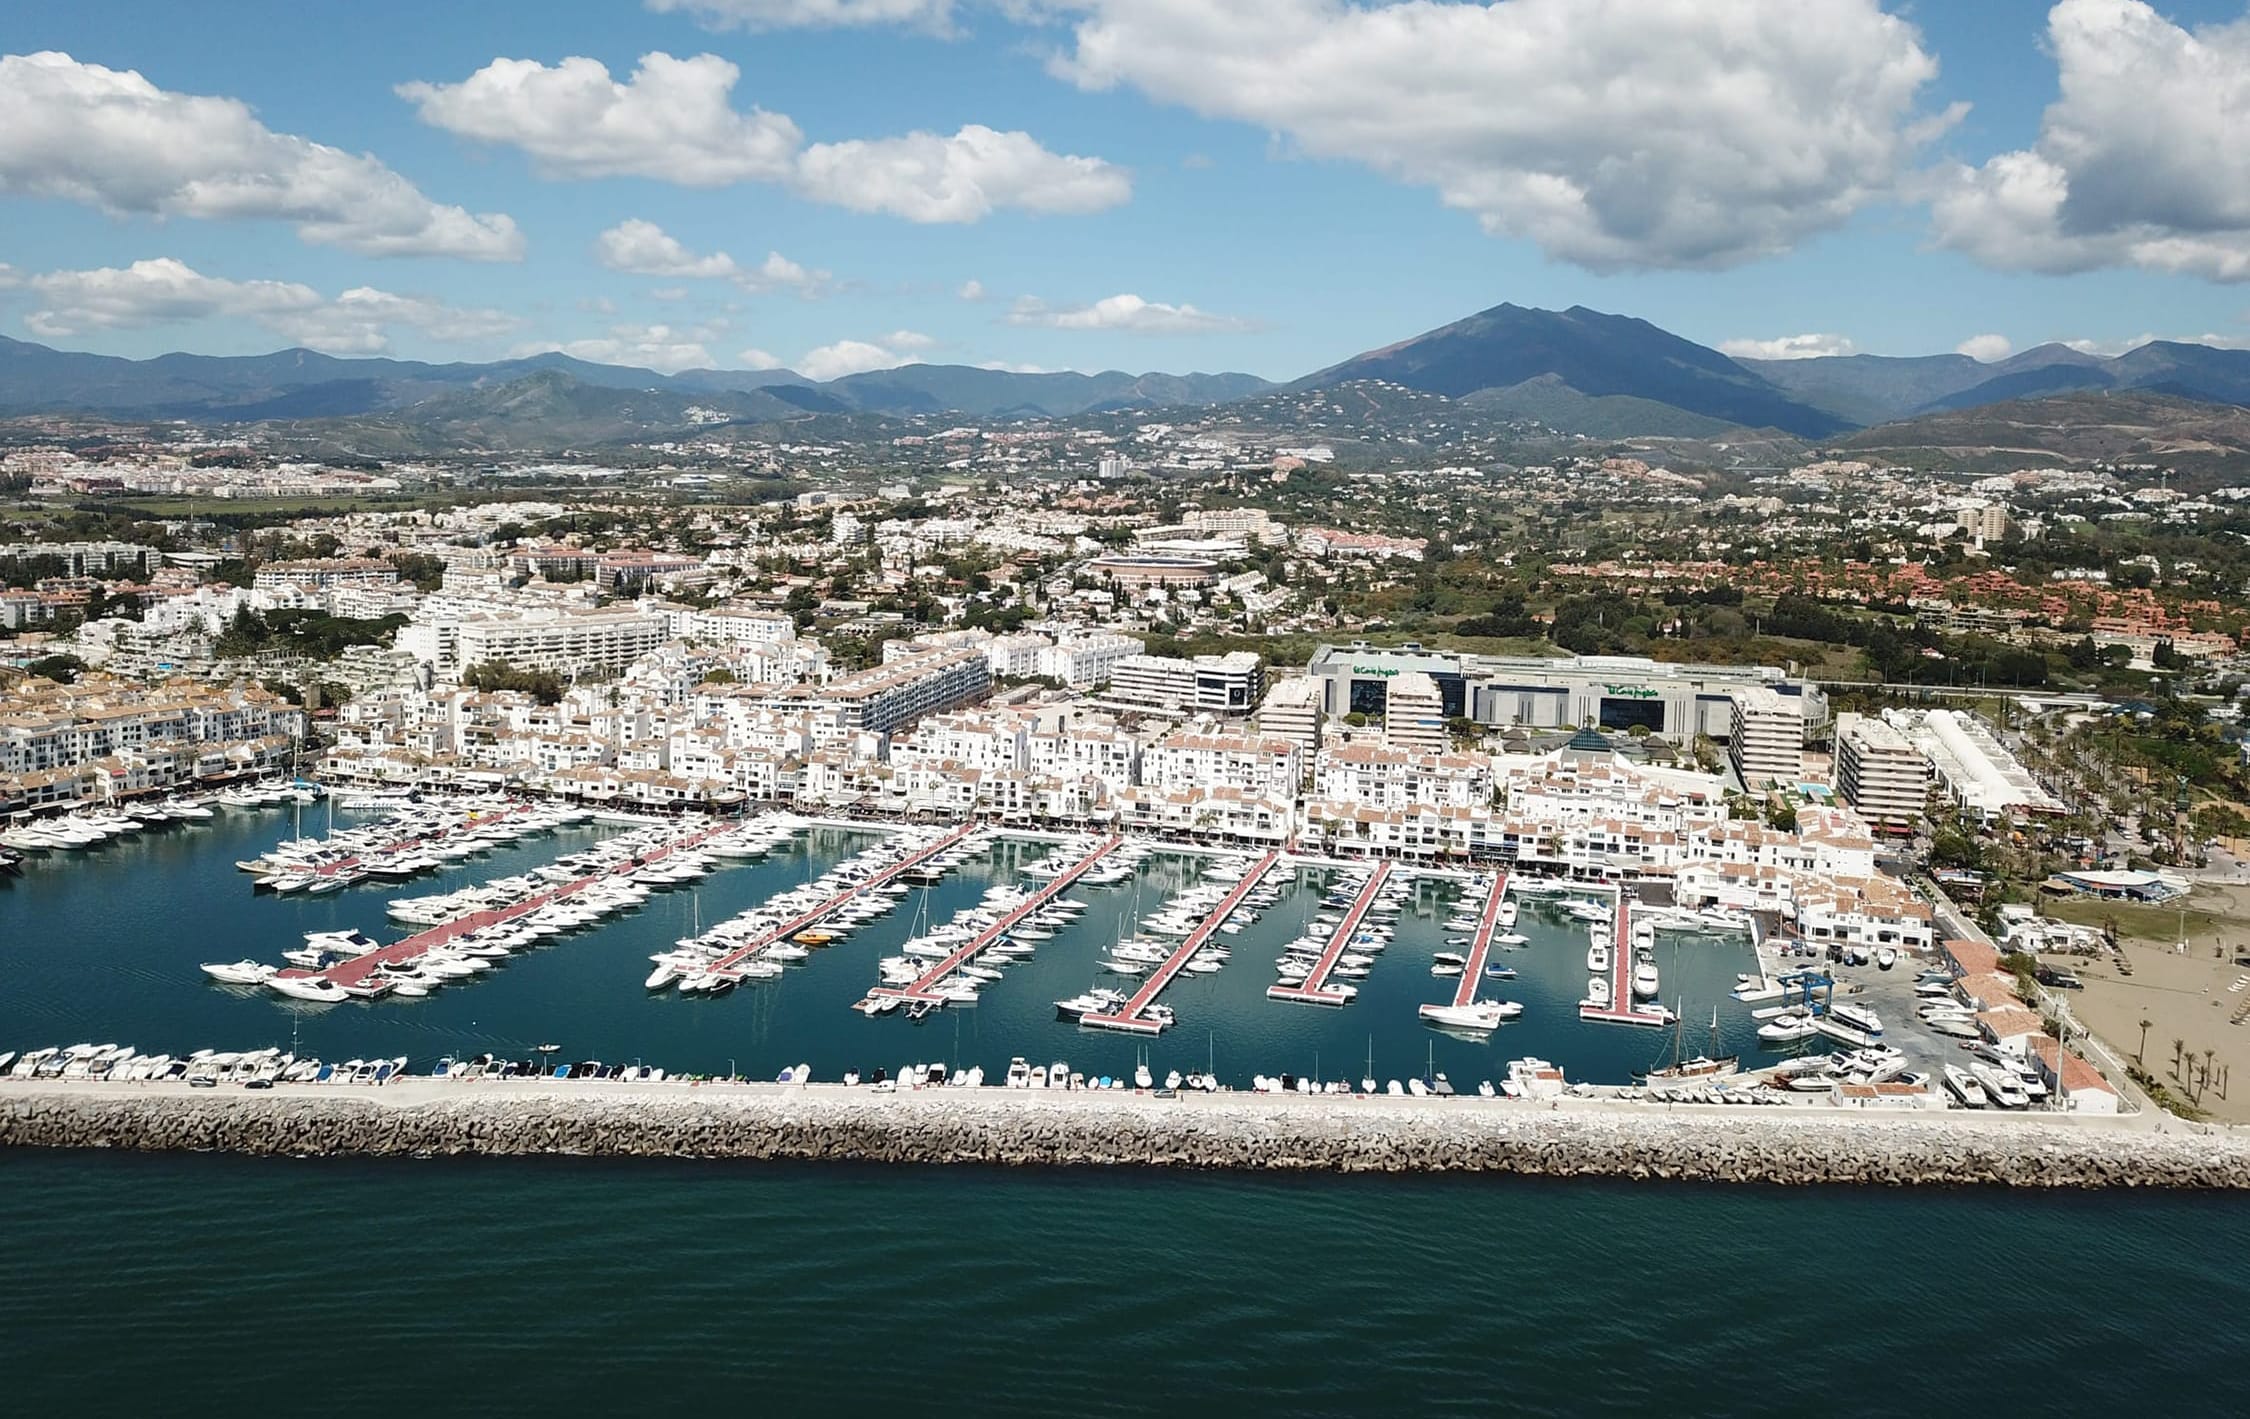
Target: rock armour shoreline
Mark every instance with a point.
(1214, 1135)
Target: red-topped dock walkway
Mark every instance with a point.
(751, 948)
(412, 948)
(1480, 946)
(1622, 1009)
(1314, 988)
(926, 983)
(1129, 1018)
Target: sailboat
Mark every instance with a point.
(1709, 1065)
(1367, 1080)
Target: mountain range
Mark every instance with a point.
(1575, 371)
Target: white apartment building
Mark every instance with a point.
(1414, 714)
(888, 697)
(740, 625)
(1292, 711)
(1207, 684)
(335, 571)
(1187, 761)
(992, 743)
(1882, 776)
(566, 642)
(1766, 741)
(1086, 661)
(1085, 751)
(1379, 776)
(1972, 766)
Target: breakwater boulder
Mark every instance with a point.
(1056, 1130)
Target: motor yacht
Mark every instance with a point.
(1478, 1015)
(239, 972)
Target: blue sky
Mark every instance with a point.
(1146, 184)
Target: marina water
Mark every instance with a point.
(103, 946)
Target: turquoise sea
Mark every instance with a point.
(219, 1285)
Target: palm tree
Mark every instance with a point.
(2141, 1054)
(2208, 1055)
(2177, 1046)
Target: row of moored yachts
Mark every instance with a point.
(259, 1068)
(418, 838)
(760, 944)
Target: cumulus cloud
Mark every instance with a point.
(113, 140)
(972, 290)
(10, 278)
(667, 349)
(932, 177)
(935, 16)
(1124, 312)
(1613, 133)
(1986, 348)
(755, 359)
(164, 291)
(674, 120)
(2143, 161)
(851, 357)
(1789, 347)
(645, 249)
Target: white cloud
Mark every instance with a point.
(674, 120)
(111, 139)
(2143, 161)
(1613, 133)
(1789, 347)
(164, 291)
(906, 340)
(10, 278)
(972, 290)
(1010, 367)
(666, 349)
(778, 272)
(849, 357)
(157, 292)
(671, 120)
(929, 177)
(668, 293)
(1123, 312)
(1984, 349)
(646, 249)
(757, 360)
(935, 16)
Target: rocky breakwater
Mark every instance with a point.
(996, 1127)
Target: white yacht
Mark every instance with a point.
(1964, 1086)
(1477, 1015)
(1597, 992)
(239, 972)
(308, 988)
(1597, 957)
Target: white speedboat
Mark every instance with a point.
(1789, 1027)
(308, 988)
(1597, 958)
(1597, 992)
(1477, 1015)
(1645, 980)
(239, 972)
